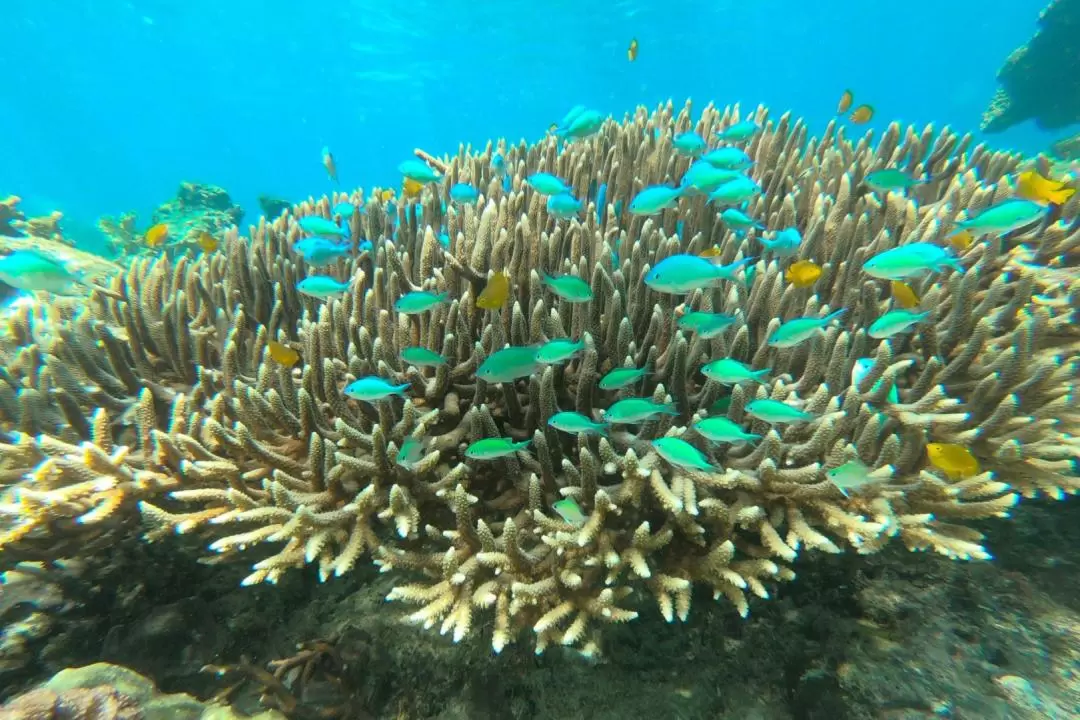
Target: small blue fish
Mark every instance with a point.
(852, 475)
(678, 274)
(570, 288)
(722, 430)
(729, 371)
(316, 225)
(911, 260)
(412, 449)
(556, 352)
(569, 510)
(322, 286)
(372, 389)
(364, 246)
(571, 115)
(735, 191)
(784, 243)
(799, 330)
(320, 251)
(740, 131)
(706, 325)
(861, 369)
(631, 411)
(498, 163)
(622, 377)
(1004, 217)
(705, 177)
(728, 158)
(345, 210)
(464, 193)
(423, 357)
(31, 271)
(689, 144)
(418, 170)
(548, 184)
(738, 221)
(509, 364)
(576, 423)
(601, 202)
(420, 301)
(563, 206)
(774, 411)
(682, 454)
(494, 448)
(894, 322)
(586, 123)
(444, 239)
(655, 199)
(891, 180)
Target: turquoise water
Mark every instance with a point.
(109, 104)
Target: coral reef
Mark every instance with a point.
(169, 400)
(1067, 149)
(1041, 79)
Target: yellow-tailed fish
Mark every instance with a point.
(1033, 186)
(207, 242)
(495, 293)
(903, 294)
(803, 274)
(956, 461)
(282, 354)
(156, 235)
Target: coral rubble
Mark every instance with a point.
(169, 399)
(1041, 79)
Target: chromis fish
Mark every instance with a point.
(422, 357)
(464, 193)
(852, 475)
(803, 273)
(904, 294)
(418, 171)
(799, 330)
(372, 389)
(569, 510)
(420, 301)
(1032, 186)
(706, 325)
(31, 271)
(861, 369)
(570, 116)
(322, 286)
(412, 449)
(682, 273)
(891, 180)
(682, 454)
(576, 423)
(738, 221)
(587, 122)
(729, 371)
(728, 158)
(740, 131)
(619, 378)
(689, 144)
(509, 364)
(495, 293)
(1004, 217)
(329, 164)
(655, 199)
(784, 243)
(320, 251)
(316, 225)
(956, 461)
(735, 191)
(498, 164)
(559, 351)
(723, 430)
(346, 209)
(548, 184)
(570, 288)
(564, 206)
(494, 448)
(895, 321)
(774, 411)
(636, 410)
(910, 260)
(704, 177)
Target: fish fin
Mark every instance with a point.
(522, 445)
(834, 315)
(669, 409)
(400, 389)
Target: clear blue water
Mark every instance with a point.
(109, 104)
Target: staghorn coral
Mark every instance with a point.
(273, 457)
(10, 215)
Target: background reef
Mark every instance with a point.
(158, 414)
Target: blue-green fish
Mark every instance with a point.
(31, 271)
(586, 123)
(801, 329)
(322, 286)
(890, 180)
(784, 243)
(705, 177)
(563, 206)
(861, 369)
(706, 324)
(738, 221)
(559, 351)
(569, 510)
(419, 301)
(774, 411)
(655, 199)
(321, 251)
(689, 144)
(346, 209)
(372, 389)
(576, 423)
(735, 191)
(682, 273)
(728, 158)
(895, 321)
(743, 130)
(1003, 217)
(321, 226)
(410, 453)
(732, 372)
(910, 260)
(498, 164)
(493, 448)
(622, 377)
(571, 115)
(548, 184)
(570, 288)
(422, 357)
(464, 193)
(852, 475)
(720, 429)
(509, 364)
(635, 410)
(418, 170)
(682, 454)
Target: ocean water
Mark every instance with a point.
(110, 104)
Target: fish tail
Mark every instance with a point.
(762, 374)
(521, 445)
(669, 409)
(833, 316)
(751, 437)
(400, 389)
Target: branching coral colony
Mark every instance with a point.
(170, 401)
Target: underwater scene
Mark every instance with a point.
(544, 361)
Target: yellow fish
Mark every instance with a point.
(495, 293)
(156, 235)
(712, 252)
(845, 102)
(1033, 186)
(956, 461)
(207, 242)
(631, 52)
(803, 274)
(862, 114)
(962, 240)
(387, 195)
(282, 354)
(904, 295)
(410, 188)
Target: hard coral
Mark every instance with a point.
(266, 454)
(9, 215)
